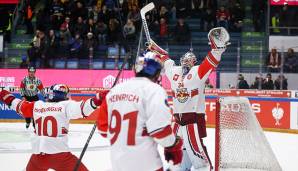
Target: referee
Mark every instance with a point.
(30, 86)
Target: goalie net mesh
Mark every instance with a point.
(240, 142)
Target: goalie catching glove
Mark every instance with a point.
(6, 97)
(174, 152)
(218, 38)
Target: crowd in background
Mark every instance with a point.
(288, 63)
(66, 28)
(267, 83)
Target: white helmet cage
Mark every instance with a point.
(188, 60)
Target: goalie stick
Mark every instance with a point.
(143, 12)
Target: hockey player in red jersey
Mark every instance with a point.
(188, 83)
(135, 117)
(49, 145)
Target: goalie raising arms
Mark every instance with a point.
(188, 83)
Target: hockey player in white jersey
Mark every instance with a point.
(188, 83)
(49, 145)
(135, 117)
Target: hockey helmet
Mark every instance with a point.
(148, 64)
(188, 59)
(58, 92)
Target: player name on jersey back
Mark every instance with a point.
(124, 97)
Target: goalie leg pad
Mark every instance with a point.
(195, 147)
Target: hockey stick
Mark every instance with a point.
(144, 10)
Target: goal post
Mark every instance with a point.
(240, 144)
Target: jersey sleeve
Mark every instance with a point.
(102, 119)
(23, 107)
(81, 109)
(209, 63)
(41, 88)
(168, 66)
(158, 113)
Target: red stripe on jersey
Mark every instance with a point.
(102, 118)
(207, 65)
(25, 108)
(212, 58)
(176, 128)
(22, 85)
(164, 132)
(192, 137)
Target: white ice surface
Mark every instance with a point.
(15, 147)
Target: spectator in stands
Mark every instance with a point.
(94, 13)
(90, 27)
(126, 6)
(242, 84)
(79, 11)
(268, 83)
(237, 15)
(57, 14)
(281, 83)
(104, 14)
(129, 31)
(207, 19)
(114, 33)
(65, 36)
(28, 15)
(223, 17)
(43, 48)
(257, 84)
(135, 16)
(181, 32)
(163, 29)
(89, 44)
(208, 85)
(258, 11)
(273, 61)
(53, 46)
(291, 61)
(163, 13)
(101, 32)
(76, 44)
(275, 24)
(66, 23)
(79, 27)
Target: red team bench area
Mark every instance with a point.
(275, 110)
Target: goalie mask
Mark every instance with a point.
(187, 61)
(58, 92)
(148, 64)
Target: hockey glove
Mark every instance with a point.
(161, 53)
(6, 97)
(99, 97)
(218, 38)
(174, 152)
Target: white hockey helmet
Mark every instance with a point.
(188, 60)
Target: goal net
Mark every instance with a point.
(240, 142)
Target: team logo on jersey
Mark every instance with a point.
(182, 95)
(30, 86)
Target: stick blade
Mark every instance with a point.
(147, 8)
